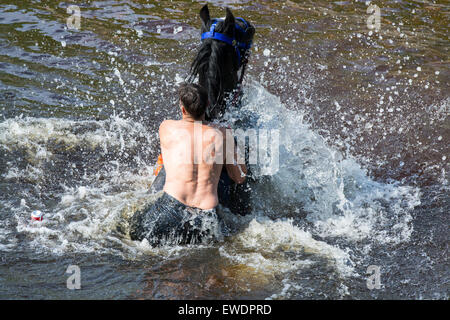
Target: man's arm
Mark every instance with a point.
(237, 172)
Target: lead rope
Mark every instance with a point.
(238, 91)
(236, 101)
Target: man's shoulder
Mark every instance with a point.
(167, 123)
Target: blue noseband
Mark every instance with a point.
(212, 34)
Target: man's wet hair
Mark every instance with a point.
(194, 99)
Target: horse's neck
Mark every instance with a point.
(228, 83)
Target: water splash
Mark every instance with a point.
(312, 212)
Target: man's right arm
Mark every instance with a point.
(237, 172)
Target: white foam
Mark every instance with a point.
(338, 197)
(86, 214)
(264, 243)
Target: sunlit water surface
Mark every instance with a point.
(363, 166)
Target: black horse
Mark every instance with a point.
(223, 53)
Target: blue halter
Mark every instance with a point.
(212, 34)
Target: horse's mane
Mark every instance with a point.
(209, 63)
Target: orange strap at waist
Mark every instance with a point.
(158, 166)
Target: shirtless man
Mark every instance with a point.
(194, 153)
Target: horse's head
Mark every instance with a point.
(224, 49)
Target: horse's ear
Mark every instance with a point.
(229, 20)
(204, 14)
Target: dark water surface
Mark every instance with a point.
(364, 152)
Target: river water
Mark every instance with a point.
(364, 158)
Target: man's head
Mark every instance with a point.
(194, 99)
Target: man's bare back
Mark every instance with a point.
(193, 154)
